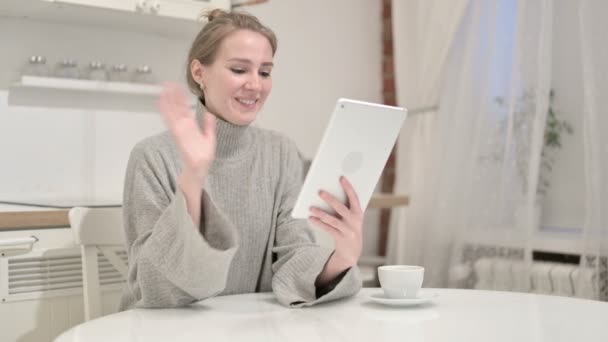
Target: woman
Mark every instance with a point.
(207, 204)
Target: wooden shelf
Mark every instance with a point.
(88, 85)
(58, 92)
(388, 201)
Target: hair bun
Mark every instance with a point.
(215, 13)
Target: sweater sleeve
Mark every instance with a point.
(171, 261)
(300, 259)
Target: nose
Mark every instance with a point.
(253, 83)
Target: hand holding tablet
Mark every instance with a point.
(356, 144)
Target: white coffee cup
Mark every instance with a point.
(400, 281)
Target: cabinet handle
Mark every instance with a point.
(18, 241)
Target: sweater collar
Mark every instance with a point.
(232, 141)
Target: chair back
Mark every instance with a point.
(97, 230)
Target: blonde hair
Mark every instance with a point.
(221, 24)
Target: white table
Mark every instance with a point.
(455, 315)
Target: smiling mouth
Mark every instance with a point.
(246, 102)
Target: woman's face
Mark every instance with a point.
(238, 82)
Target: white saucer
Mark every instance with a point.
(423, 297)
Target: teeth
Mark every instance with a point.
(246, 102)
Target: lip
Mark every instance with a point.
(247, 106)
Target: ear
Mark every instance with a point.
(197, 70)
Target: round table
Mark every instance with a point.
(454, 315)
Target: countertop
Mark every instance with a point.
(42, 213)
(19, 217)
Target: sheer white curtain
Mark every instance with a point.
(473, 190)
(476, 168)
(423, 31)
(595, 123)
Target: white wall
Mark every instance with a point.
(327, 50)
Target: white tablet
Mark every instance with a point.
(357, 143)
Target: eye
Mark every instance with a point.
(265, 74)
(237, 70)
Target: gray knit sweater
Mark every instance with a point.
(247, 240)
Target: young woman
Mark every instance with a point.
(207, 205)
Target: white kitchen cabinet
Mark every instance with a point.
(180, 9)
(165, 17)
(118, 5)
(186, 9)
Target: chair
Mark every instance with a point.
(97, 230)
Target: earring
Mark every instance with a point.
(203, 86)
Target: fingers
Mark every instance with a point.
(179, 96)
(352, 213)
(327, 219)
(335, 233)
(335, 204)
(164, 107)
(175, 94)
(209, 122)
(173, 105)
(351, 194)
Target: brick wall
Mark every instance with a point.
(389, 98)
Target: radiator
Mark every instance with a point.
(41, 293)
(505, 274)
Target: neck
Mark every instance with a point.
(232, 141)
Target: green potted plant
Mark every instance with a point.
(555, 128)
(523, 123)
